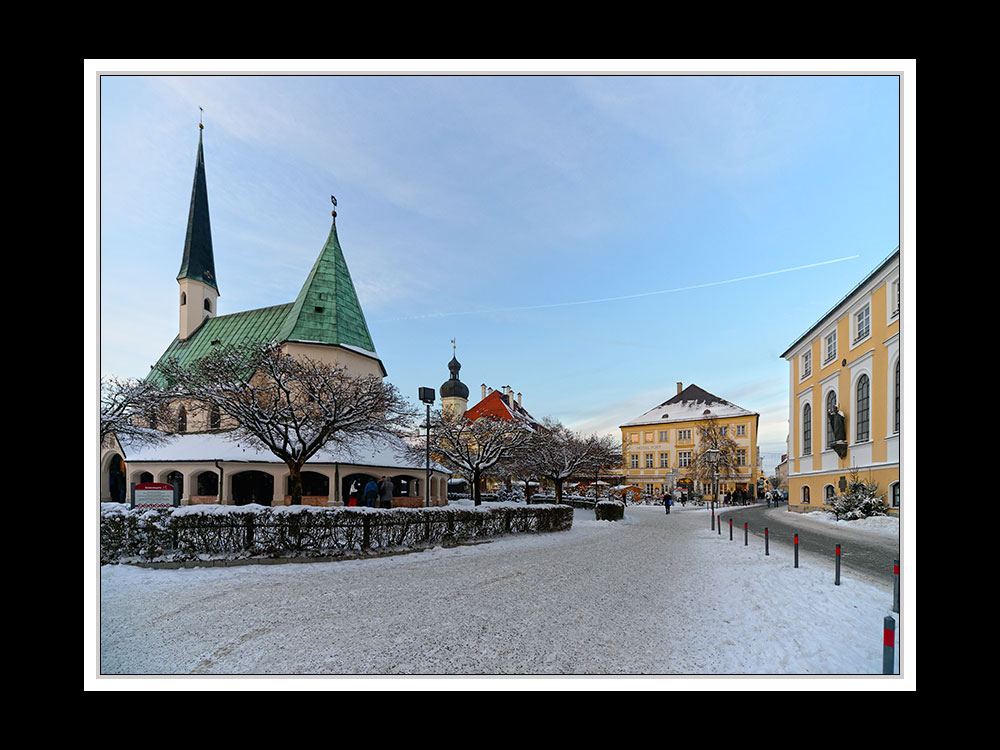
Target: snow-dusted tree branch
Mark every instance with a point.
(131, 410)
(713, 436)
(473, 448)
(558, 453)
(290, 406)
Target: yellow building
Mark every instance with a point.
(660, 447)
(844, 395)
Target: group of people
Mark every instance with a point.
(376, 494)
(737, 497)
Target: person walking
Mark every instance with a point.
(371, 494)
(386, 491)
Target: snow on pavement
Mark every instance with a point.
(655, 594)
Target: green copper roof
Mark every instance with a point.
(327, 310)
(238, 328)
(199, 260)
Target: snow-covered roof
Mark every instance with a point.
(691, 404)
(386, 452)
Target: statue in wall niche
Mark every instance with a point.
(838, 425)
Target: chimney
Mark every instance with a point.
(518, 399)
(484, 390)
(680, 387)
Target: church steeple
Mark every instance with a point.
(199, 289)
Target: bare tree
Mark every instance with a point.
(474, 448)
(132, 410)
(713, 436)
(558, 453)
(292, 407)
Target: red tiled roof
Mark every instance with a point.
(495, 405)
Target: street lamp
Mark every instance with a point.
(712, 456)
(427, 396)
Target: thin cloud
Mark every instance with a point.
(624, 296)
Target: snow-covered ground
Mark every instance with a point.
(650, 595)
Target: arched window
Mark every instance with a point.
(894, 495)
(182, 420)
(208, 304)
(807, 429)
(829, 493)
(805, 495)
(184, 298)
(831, 405)
(214, 418)
(896, 418)
(863, 407)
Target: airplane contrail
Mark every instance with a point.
(626, 296)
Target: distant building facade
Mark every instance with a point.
(844, 395)
(658, 446)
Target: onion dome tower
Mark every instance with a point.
(454, 393)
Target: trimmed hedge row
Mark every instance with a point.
(207, 532)
(609, 510)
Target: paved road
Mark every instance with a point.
(867, 555)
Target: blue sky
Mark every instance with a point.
(588, 240)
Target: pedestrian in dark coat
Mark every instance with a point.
(386, 491)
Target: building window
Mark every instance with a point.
(184, 299)
(208, 305)
(894, 495)
(741, 456)
(633, 437)
(648, 437)
(664, 460)
(863, 410)
(741, 430)
(805, 495)
(664, 436)
(724, 431)
(831, 347)
(895, 421)
(807, 429)
(863, 323)
(894, 299)
(683, 435)
(214, 418)
(633, 461)
(831, 405)
(649, 460)
(807, 364)
(684, 459)
(182, 420)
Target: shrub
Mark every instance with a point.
(233, 532)
(609, 510)
(862, 500)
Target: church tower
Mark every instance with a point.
(199, 292)
(454, 393)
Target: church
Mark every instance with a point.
(325, 323)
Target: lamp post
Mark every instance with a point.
(712, 456)
(427, 396)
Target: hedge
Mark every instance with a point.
(211, 532)
(609, 510)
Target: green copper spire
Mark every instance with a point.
(327, 310)
(199, 260)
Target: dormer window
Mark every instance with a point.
(318, 309)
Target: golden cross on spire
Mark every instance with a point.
(453, 346)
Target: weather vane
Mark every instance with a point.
(333, 200)
(453, 346)
(201, 111)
